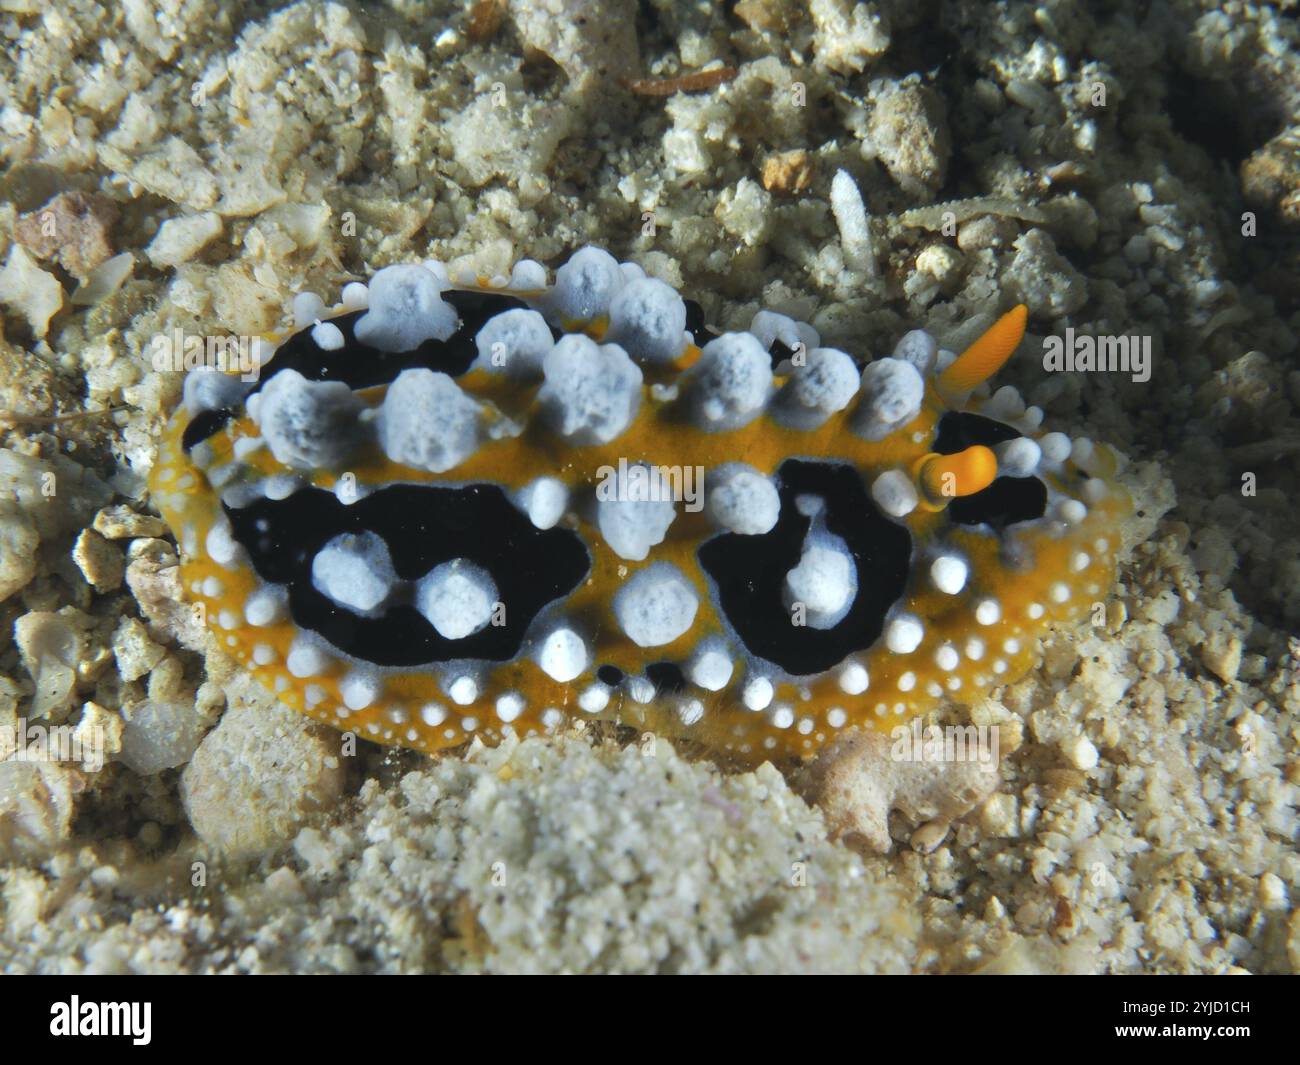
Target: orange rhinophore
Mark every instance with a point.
(945, 477)
(988, 354)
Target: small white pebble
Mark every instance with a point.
(307, 307)
(1081, 753)
(355, 296)
(851, 219)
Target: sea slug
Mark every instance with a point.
(446, 509)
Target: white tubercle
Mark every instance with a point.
(563, 655)
(1018, 457)
(904, 633)
(544, 501)
(711, 666)
(729, 386)
(355, 296)
(359, 689)
(354, 571)
(457, 598)
(591, 391)
(427, 421)
(406, 308)
(949, 573)
(647, 319)
(740, 499)
(509, 706)
(305, 659)
(758, 693)
(463, 690)
(584, 286)
(327, 335)
(528, 275)
(895, 493)
(918, 348)
(308, 425)
(891, 396)
(853, 678)
(266, 605)
(822, 383)
(593, 699)
(655, 605)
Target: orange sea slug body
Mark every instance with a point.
(446, 511)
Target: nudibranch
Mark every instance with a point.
(448, 508)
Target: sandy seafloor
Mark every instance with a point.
(1145, 820)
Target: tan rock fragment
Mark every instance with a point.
(29, 290)
(18, 542)
(908, 132)
(120, 522)
(593, 44)
(857, 782)
(100, 562)
(52, 647)
(1270, 177)
(73, 229)
(135, 651)
(259, 776)
(787, 172)
(178, 240)
(99, 733)
(37, 800)
(154, 577)
(1221, 653)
